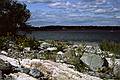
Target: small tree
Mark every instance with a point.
(12, 15)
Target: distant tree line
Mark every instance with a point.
(13, 15)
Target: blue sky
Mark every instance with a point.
(74, 12)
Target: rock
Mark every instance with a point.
(58, 71)
(52, 49)
(21, 76)
(23, 70)
(45, 45)
(60, 56)
(110, 62)
(115, 64)
(116, 69)
(9, 50)
(75, 46)
(51, 70)
(26, 49)
(12, 61)
(4, 52)
(92, 60)
(89, 48)
(60, 53)
(105, 64)
(35, 73)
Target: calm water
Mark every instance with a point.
(94, 36)
(74, 12)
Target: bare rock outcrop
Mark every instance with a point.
(52, 70)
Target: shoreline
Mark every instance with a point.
(71, 28)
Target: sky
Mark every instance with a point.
(74, 12)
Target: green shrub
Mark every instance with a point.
(74, 59)
(23, 41)
(113, 47)
(49, 55)
(2, 41)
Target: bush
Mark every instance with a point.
(2, 41)
(113, 47)
(23, 41)
(12, 15)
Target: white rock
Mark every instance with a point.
(55, 71)
(27, 49)
(76, 54)
(110, 54)
(52, 49)
(75, 46)
(115, 64)
(3, 52)
(117, 68)
(60, 53)
(110, 62)
(9, 50)
(45, 45)
(21, 76)
(12, 61)
(59, 71)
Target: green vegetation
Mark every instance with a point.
(23, 41)
(113, 47)
(12, 16)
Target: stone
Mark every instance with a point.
(27, 49)
(116, 69)
(23, 70)
(4, 52)
(58, 71)
(35, 73)
(52, 49)
(75, 46)
(45, 45)
(21, 76)
(60, 57)
(60, 53)
(110, 62)
(12, 61)
(9, 50)
(50, 69)
(115, 64)
(92, 60)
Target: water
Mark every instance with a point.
(74, 12)
(90, 36)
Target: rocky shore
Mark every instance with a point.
(57, 60)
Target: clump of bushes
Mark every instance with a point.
(13, 15)
(23, 41)
(73, 56)
(113, 47)
(2, 40)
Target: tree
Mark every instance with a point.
(13, 15)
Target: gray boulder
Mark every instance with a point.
(93, 61)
